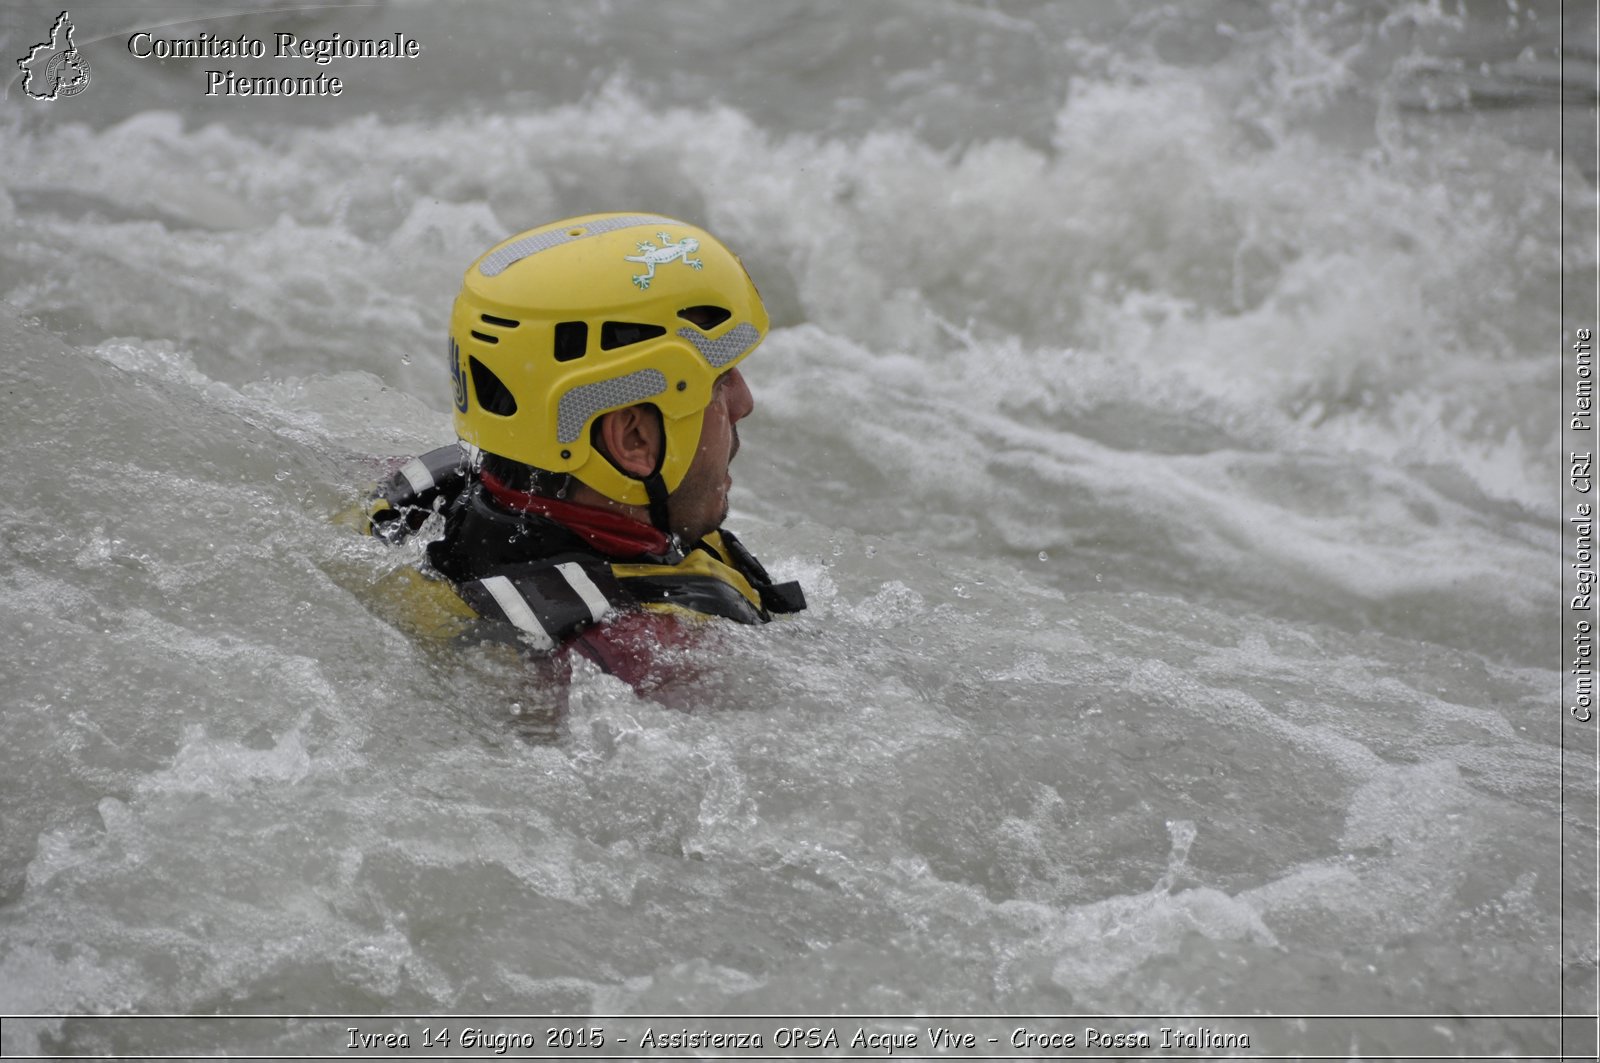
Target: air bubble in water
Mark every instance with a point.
(1044, 555)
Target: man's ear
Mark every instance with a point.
(631, 438)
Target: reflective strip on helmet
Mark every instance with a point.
(582, 403)
(580, 582)
(417, 475)
(725, 348)
(498, 262)
(515, 606)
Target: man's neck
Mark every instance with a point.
(584, 495)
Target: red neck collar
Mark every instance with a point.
(613, 534)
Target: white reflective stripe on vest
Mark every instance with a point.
(515, 606)
(580, 582)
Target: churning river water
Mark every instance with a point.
(1159, 412)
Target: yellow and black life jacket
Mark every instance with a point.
(546, 580)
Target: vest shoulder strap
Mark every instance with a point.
(704, 594)
(549, 600)
(703, 582)
(775, 597)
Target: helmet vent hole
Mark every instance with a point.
(493, 396)
(572, 339)
(705, 318)
(614, 334)
(502, 322)
(485, 337)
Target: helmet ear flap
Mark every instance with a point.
(637, 433)
(679, 439)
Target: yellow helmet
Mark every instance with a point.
(563, 323)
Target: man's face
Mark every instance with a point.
(700, 504)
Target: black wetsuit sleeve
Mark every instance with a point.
(414, 491)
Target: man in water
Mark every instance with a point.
(597, 399)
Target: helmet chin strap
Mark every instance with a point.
(656, 488)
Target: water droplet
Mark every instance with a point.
(1044, 555)
(281, 475)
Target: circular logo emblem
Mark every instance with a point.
(67, 74)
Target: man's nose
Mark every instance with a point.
(740, 401)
